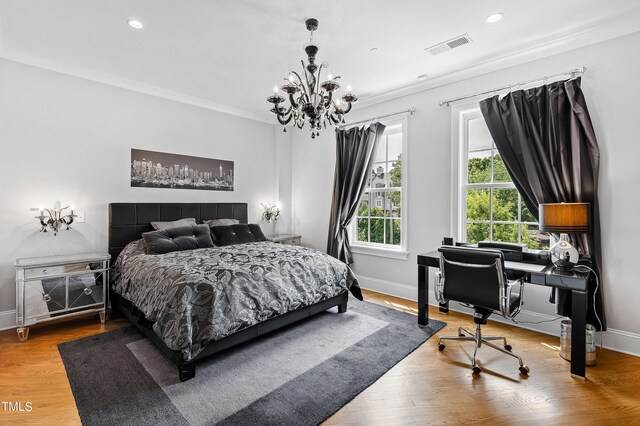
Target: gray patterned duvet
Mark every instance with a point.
(194, 296)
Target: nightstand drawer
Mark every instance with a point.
(291, 241)
(48, 271)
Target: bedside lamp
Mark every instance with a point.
(563, 219)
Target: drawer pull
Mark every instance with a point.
(88, 291)
(87, 267)
(46, 298)
(44, 272)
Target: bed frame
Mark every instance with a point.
(127, 222)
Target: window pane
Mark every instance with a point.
(479, 136)
(526, 215)
(363, 229)
(393, 231)
(394, 146)
(363, 207)
(479, 168)
(505, 204)
(505, 233)
(377, 231)
(395, 172)
(393, 204)
(478, 204)
(534, 238)
(477, 232)
(499, 169)
(378, 176)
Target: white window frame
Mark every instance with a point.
(461, 115)
(387, 250)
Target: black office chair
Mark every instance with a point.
(477, 278)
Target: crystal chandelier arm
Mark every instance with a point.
(304, 89)
(319, 73)
(292, 101)
(329, 101)
(282, 121)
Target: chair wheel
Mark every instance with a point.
(508, 347)
(460, 334)
(524, 370)
(441, 347)
(477, 370)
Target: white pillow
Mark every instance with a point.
(173, 224)
(221, 222)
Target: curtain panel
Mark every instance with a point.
(546, 140)
(355, 154)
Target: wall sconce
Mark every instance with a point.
(270, 212)
(55, 219)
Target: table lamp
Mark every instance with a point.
(563, 219)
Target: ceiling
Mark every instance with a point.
(228, 55)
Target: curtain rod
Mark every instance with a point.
(409, 111)
(573, 73)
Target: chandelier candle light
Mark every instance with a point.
(55, 219)
(310, 100)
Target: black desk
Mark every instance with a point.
(574, 281)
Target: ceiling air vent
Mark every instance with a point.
(449, 44)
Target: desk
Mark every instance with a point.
(574, 281)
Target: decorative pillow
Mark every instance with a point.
(177, 239)
(255, 229)
(236, 234)
(224, 236)
(221, 222)
(173, 224)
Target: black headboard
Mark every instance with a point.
(127, 221)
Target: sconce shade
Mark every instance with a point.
(564, 217)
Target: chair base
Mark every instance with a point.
(466, 335)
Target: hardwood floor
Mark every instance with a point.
(427, 387)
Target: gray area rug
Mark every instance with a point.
(298, 375)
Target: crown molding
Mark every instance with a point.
(132, 85)
(602, 31)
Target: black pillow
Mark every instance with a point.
(236, 234)
(224, 236)
(255, 229)
(177, 239)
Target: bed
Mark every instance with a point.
(195, 303)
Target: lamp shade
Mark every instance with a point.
(564, 217)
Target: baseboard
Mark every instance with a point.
(389, 288)
(7, 319)
(616, 340)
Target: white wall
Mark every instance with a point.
(67, 139)
(611, 88)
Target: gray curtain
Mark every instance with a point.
(547, 142)
(355, 153)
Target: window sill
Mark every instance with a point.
(381, 252)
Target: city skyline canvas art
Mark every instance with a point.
(152, 169)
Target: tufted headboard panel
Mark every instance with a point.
(127, 221)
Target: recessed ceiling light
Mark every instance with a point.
(422, 76)
(495, 17)
(373, 49)
(133, 23)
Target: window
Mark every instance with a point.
(491, 207)
(380, 218)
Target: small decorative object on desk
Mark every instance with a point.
(271, 212)
(55, 219)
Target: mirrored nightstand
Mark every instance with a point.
(53, 287)
(291, 239)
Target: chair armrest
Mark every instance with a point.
(505, 298)
(438, 288)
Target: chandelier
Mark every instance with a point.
(309, 99)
